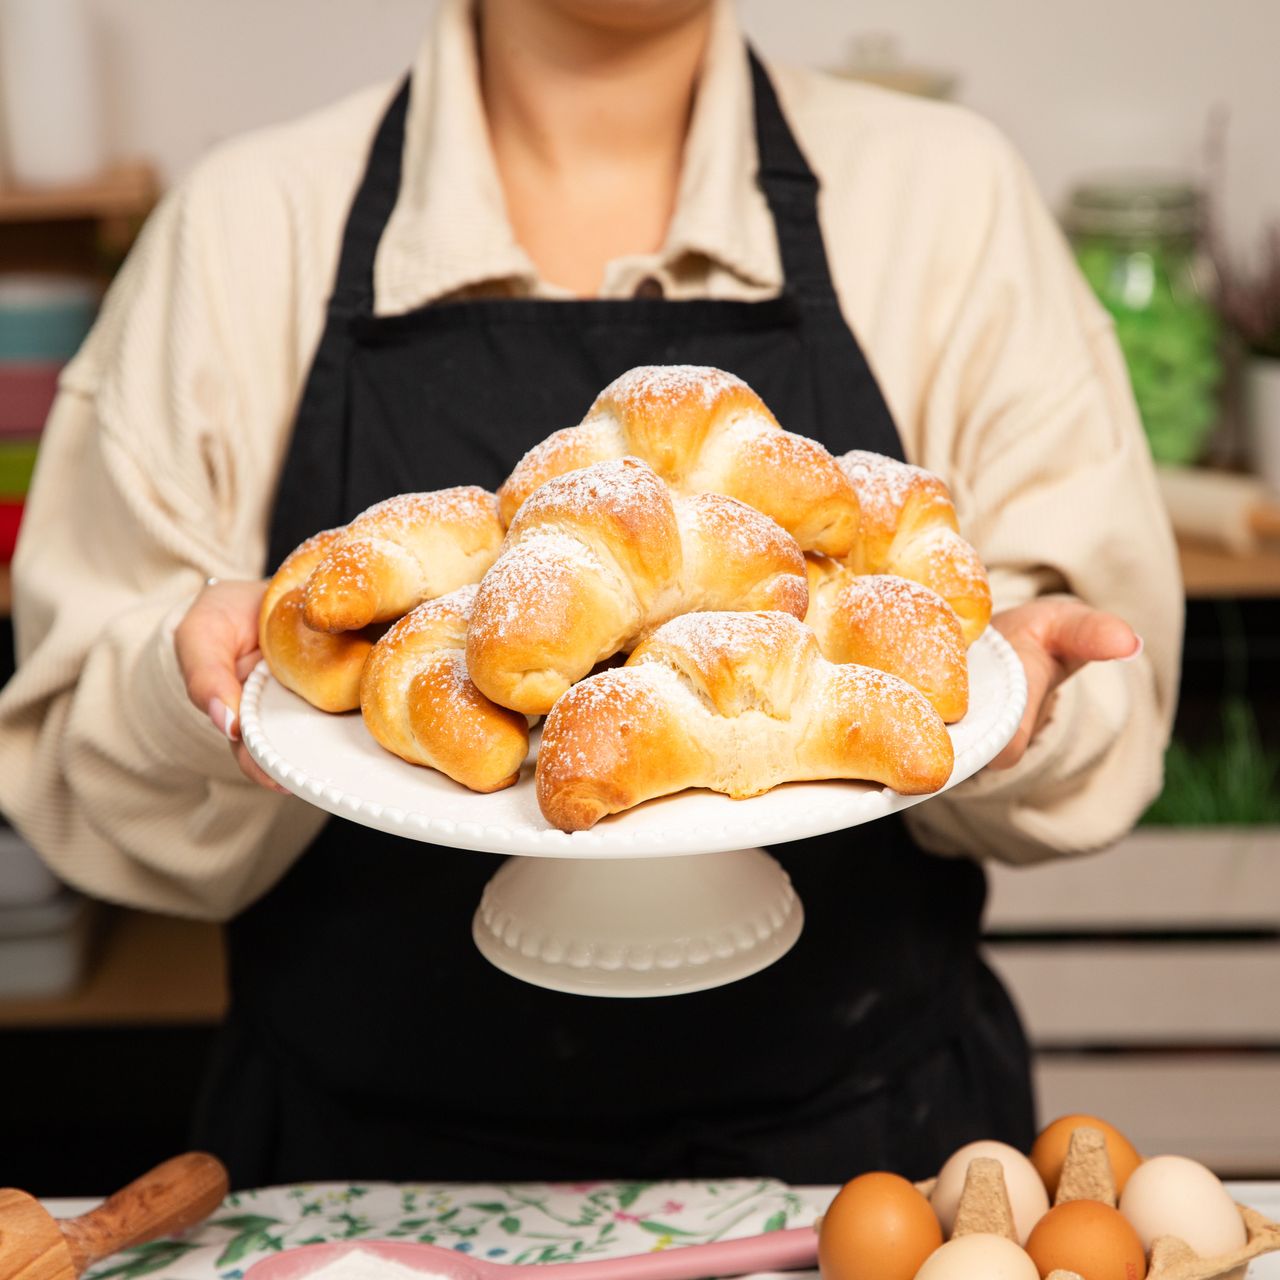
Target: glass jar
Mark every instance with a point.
(1139, 244)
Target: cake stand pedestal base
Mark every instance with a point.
(639, 926)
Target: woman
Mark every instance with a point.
(563, 189)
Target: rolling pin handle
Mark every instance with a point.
(175, 1195)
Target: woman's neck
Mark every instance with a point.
(588, 123)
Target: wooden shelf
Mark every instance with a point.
(84, 230)
(124, 191)
(146, 970)
(1211, 573)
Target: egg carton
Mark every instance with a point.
(1086, 1175)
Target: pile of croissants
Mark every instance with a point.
(787, 614)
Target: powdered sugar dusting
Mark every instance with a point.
(550, 454)
(926, 623)
(896, 625)
(954, 562)
(389, 527)
(736, 684)
(474, 724)
(873, 685)
(669, 385)
(882, 483)
(453, 608)
(567, 734)
(526, 579)
(361, 1264)
(734, 638)
(522, 578)
(606, 690)
(736, 530)
(626, 488)
(918, 731)
(463, 502)
(564, 450)
(315, 546)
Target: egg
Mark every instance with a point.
(1027, 1196)
(879, 1227)
(1050, 1150)
(1174, 1196)
(1093, 1240)
(978, 1257)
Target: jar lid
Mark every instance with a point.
(1135, 205)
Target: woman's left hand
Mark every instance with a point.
(1054, 639)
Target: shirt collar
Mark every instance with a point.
(449, 230)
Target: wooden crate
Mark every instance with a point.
(1149, 979)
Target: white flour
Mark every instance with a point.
(359, 1264)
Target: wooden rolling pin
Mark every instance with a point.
(1232, 511)
(34, 1245)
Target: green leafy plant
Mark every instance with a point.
(1233, 782)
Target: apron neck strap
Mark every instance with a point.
(789, 187)
(371, 210)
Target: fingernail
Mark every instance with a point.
(224, 719)
(1135, 655)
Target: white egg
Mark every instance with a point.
(1027, 1197)
(1174, 1196)
(978, 1257)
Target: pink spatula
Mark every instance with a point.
(775, 1251)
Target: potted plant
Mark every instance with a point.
(1234, 782)
(1251, 305)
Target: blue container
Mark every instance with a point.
(44, 318)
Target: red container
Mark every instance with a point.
(26, 395)
(10, 518)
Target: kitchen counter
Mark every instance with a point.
(516, 1222)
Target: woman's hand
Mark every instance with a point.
(1054, 639)
(217, 644)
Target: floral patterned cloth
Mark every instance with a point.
(526, 1222)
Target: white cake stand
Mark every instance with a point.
(632, 907)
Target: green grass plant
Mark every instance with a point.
(1234, 781)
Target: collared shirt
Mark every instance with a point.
(160, 460)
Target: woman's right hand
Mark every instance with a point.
(217, 644)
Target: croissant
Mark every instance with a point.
(599, 556)
(420, 704)
(737, 702)
(323, 669)
(702, 430)
(892, 624)
(909, 528)
(401, 552)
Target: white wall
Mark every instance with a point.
(1079, 84)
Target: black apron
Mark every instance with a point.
(368, 1038)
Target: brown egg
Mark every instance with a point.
(1050, 1150)
(1091, 1239)
(879, 1227)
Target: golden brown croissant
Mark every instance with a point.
(702, 430)
(323, 669)
(893, 624)
(597, 557)
(419, 702)
(737, 702)
(401, 552)
(909, 528)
